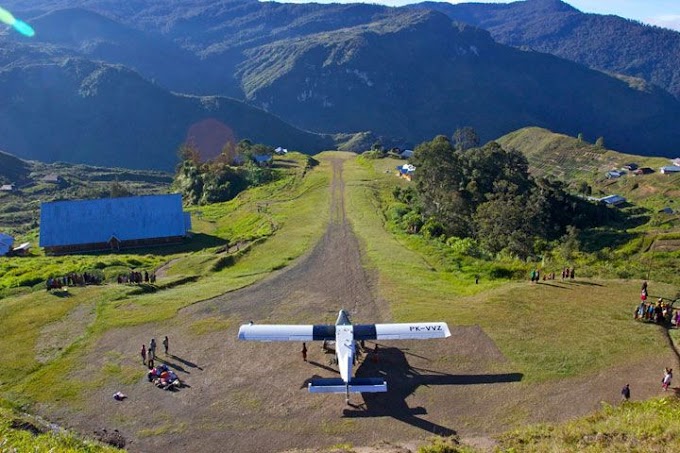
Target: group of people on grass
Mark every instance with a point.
(72, 279)
(660, 312)
(137, 277)
(160, 375)
(567, 273)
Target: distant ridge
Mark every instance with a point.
(108, 115)
(604, 42)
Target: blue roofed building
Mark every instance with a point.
(112, 223)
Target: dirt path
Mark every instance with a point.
(251, 397)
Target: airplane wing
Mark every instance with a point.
(282, 332)
(403, 331)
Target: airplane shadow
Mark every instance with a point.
(402, 380)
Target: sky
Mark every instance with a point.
(664, 13)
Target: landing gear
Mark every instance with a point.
(347, 394)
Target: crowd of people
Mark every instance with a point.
(137, 277)
(160, 375)
(660, 312)
(72, 279)
(536, 276)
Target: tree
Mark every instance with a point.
(465, 138)
(188, 152)
(117, 190)
(438, 179)
(580, 137)
(229, 154)
(599, 142)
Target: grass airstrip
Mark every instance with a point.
(548, 331)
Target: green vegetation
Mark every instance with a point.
(461, 191)
(424, 277)
(427, 279)
(20, 432)
(645, 426)
(291, 206)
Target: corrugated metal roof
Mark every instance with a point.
(6, 242)
(95, 221)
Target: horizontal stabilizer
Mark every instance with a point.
(356, 385)
(282, 332)
(403, 331)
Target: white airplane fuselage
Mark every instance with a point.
(344, 350)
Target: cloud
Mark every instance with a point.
(671, 21)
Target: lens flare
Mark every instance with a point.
(19, 25)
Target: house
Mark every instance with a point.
(22, 249)
(406, 154)
(280, 151)
(631, 166)
(6, 242)
(52, 178)
(263, 160)
(670, 169)
(406, 171)
(613, 174)
(112, 223)
(612, 200)
(643, 171)
(7, 188)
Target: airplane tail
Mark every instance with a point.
(356, 385)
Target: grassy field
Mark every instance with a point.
(291, 206)
(22, 433)
(548, 331)
(588, 321)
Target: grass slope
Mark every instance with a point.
(288, 209)
(588, 321)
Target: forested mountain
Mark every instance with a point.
(604, 42)
(78, 111)
(404, 74)
(423, 75)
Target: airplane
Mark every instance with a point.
(345, 335)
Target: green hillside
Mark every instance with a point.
(266, 229)
(574, 161)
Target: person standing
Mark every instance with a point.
(166, 344)
(625, 392)
(152, 349)
(667, 377)
(143, 354)
(304, 351)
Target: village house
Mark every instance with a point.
(263, 160)
(6, 242)
(406, 154)
(7, 188)
(112, 223)
(670, 169)
(406, 171)
(52, 178)
(612, 200)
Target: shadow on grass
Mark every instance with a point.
(195, 243)
(402, 381)
(583, 283)
(185, 362)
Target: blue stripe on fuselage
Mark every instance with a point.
(322, 332)
(365, 332)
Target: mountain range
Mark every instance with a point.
(605, 42)
(100, 83)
